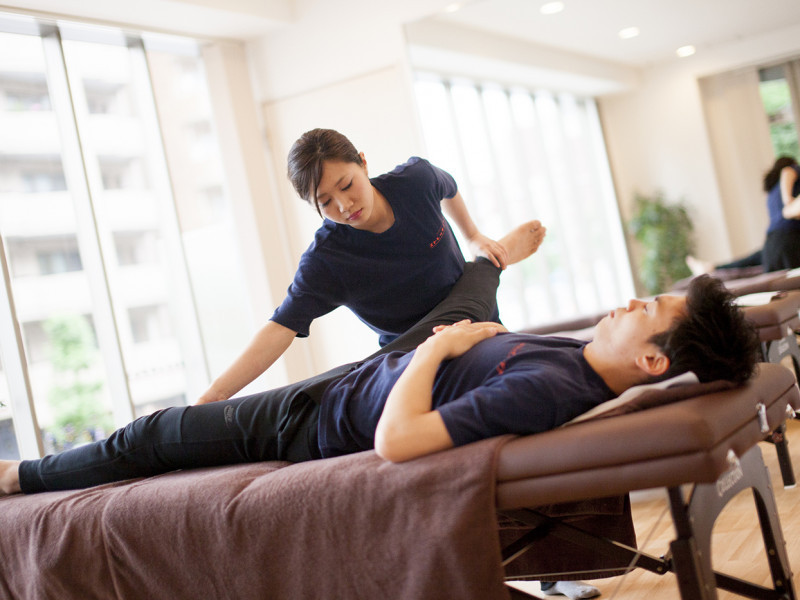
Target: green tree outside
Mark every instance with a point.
(665, 234)
(75, 395)
(777, 100)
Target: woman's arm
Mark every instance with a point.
(408, 427)
(267, 346)
(791, 205)
(479, 244)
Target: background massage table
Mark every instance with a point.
(749, 281)
(357, 527)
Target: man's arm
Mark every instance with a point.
(408, 427)
(479, 244)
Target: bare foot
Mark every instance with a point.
(9, 477)
(697, 266)
(523, 241)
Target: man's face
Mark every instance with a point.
(625, 331)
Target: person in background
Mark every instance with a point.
(782, 245)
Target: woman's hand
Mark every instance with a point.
(480, 245)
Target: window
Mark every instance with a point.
(24, 92)
(517, 156)
(8, 437)
(100, 316)
(776, 94)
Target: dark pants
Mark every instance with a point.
(279, 424)
(753, 260)
(782, 250)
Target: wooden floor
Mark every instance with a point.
(737, 546)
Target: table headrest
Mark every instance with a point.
(640, 397)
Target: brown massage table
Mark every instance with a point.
(776, 322)
(357, 527)
(707, 440)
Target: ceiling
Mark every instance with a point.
(588, 27)
(591, 27)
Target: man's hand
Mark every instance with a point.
(449, 341)
(409, 427)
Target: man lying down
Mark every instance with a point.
(468, 381)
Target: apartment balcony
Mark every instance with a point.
(36, 132)
(37, 215)
(38, 298)
(27, 133)
(44, 214)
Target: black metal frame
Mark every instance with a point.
(689, 554)
(774, 351)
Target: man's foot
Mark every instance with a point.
(9, 477)
(523, 241)
(699, 267)
(574, 590)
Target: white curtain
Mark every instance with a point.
(517, 156)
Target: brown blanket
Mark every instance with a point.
(351, 527)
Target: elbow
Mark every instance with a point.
(387, 445)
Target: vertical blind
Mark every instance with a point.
(516, 156)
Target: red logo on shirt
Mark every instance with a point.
(439, 235)
(501, 368)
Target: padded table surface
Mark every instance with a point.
(777, 318)
(684, 442)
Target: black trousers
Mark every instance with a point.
(782, 250)
(279, 424)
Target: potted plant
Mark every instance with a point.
(664, 232)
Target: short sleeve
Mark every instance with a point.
(511, 404)
(446, 186)
(313, 292)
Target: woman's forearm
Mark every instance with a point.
(456, 209)
(267, 346)
(792, 209)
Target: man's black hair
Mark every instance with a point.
(714, 339)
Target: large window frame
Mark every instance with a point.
(84, 184)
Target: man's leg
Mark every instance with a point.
(279, 424)
(473, 297)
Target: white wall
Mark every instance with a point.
(657, 136)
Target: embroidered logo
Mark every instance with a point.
(439, 235)
(501, 368)
(228, 412)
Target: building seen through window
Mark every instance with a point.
(90, 228)
(776, 94)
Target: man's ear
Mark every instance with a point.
(654, 364)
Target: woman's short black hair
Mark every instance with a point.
(713, 339)
(304, 163)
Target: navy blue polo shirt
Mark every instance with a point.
(510, 383)
(389, 280)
